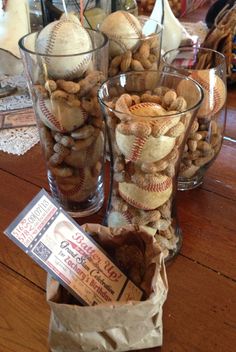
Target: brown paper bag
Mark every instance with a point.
(112, 326)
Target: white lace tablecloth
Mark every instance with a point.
(17, 140)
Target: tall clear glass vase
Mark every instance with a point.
(148, 115)
(208, 68)
(63, 78)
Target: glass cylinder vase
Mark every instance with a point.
(204, 142)
(148, 115)
(63, 86)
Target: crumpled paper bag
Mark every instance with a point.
(112, 326)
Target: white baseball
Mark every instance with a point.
(147, 110)
(148, 148)
(63, 43)
(123, 30)
(79, 187)
(59, 116)
(147, 195)
(214, 91)
(118, 219)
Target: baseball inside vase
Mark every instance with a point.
(148, 115)
(134, 42)
(65, 64)
(208, 68)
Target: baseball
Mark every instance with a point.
(185, 89)
(138, 147)
(59, 116)
(123, 30)
(118, 219)
(147, 109)
(147, 195)
(148, 150)
(67, 40)
(214, 91)
(79, 187)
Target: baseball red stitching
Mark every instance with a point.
(128, 216)
(49, 116)
(140, 105)
(129, 19)
(160, 187)
(206, 85)
(167, 124)
(115, 38)
(137, 148)
(78, 67)
(155, 186)
(133, 202)
(138, 142)
(51, 43)
(77, 187)
(51, 40)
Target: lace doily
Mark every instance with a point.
(21, 99)
(17, 140)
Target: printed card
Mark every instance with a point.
(62, 248)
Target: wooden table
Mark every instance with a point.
(200, 312)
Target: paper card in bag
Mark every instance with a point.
(61, 247)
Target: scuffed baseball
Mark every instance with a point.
(185, 89)
(147, 195)
(59, 116)
(64, 37)
(79, 187)
(214, 91)
(123, 30)
(147, 109)
(149, 149)
(118, 219)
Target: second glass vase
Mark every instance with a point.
(148, 115)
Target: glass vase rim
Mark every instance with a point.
(145, 37)
(25, 49)
(191, 48)
(179, 113)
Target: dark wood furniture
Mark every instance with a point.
(200, 311)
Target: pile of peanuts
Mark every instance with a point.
(146, 57)
(203, 145)
(160, 220)
(74, 157)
